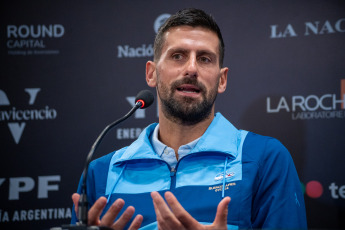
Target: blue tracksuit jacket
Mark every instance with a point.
(257, 172)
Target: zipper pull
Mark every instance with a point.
(172, 172)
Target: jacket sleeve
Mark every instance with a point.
(278, 201)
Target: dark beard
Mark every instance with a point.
(186, 110)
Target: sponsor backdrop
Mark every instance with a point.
(70, 68)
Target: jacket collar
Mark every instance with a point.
(220, 136)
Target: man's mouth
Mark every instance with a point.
(188, 89)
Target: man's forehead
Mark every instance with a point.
(178, 34)
(185, 28)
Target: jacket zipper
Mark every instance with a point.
(172, 178)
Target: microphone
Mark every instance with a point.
(143, 100)
(145, 97)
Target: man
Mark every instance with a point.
(194, 157)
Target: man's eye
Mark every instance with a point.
(205, 59)
(177, 56)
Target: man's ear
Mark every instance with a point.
(223, 80)
(151, 76)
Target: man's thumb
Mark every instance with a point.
(75, 199)
(222, 214)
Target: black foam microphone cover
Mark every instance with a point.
(146, 97)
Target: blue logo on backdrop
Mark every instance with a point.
(160, 21)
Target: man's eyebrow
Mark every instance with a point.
(207, 52)
(177, 50)
(199, 52)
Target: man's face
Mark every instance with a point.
(187, 75)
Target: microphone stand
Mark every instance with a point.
(83, 203)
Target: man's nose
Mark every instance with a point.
(192, 67)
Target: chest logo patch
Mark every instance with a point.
(220, 176)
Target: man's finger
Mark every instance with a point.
(165, 218)
(158, 213)
(124, 218)
(181, 214)
(160, 205)
(113, 211)
(159, 218)
(136, 223)
(222, 213)
(75, 199)
(96, 211)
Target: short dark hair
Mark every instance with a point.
(188, 17)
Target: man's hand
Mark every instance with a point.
(172, 215)
(108, 218)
